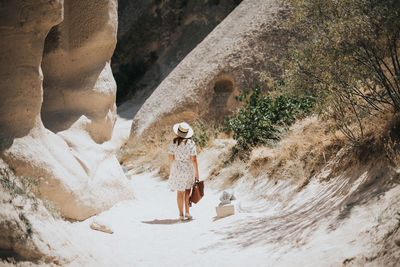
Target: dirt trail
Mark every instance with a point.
(147, 231)
(326, 224)
(342, 217)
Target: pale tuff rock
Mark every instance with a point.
(230, 58)
(102, 227)
(154, 36)
(76, 68)
(77, 169)
(25, 223)
(225, 210)
(226, 198)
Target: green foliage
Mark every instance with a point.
(347, 54)
(18, 185)
(200, 136)
(203, 133)
(261, 116)
(27, 224)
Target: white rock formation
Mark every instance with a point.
(76, 67)
(230, 58)
(101, 227)
(68, 153)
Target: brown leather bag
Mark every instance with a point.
(197, 192)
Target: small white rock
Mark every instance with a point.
(226, 210)
(101, 227)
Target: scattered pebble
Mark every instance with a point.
(101, 227)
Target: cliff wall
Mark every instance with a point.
(154, 36)
(57, 109)
(232, 57)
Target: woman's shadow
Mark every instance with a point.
(167, 221)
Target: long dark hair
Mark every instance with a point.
(179, 140)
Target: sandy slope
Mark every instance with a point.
(147, 232)
(328, 223)
(284, 230)
(331, 222)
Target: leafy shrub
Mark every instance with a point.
(347, 53)
(27, 224)
(203, 133)
(261, 116)
(200, 135)
(18, 185)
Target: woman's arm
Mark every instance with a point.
(193, 159)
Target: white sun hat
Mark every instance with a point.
(183, 130)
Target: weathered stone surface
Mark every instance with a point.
(76, 67)
(22, 34)
(77, 169)
(230, 58)
(154, 36)
(101, 227)
(223, 211)
(30, 229)
(15, 231)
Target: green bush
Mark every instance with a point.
(200, 136)
(18, 185)
(262, 115)
(346, 53)
(204, 133)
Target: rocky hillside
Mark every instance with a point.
(58, 101)
(154, 36)
(310, 198)
(232, 57)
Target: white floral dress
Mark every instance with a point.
(182, 173)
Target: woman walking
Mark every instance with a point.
(184, 170)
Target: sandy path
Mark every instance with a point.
(323, 225)
(147, 232)
(273, 232)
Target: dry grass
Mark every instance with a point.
(303, 152)
(147, 154)
(381, 141)
(150, 153)
(223, 176)
(309, 146)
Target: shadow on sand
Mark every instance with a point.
(166, 221)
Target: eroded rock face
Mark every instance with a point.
(230, 58)
(23, 28)
(77, 169)
(154, 36)
(76, 67)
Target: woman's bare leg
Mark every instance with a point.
(187, 195)
(179, 198)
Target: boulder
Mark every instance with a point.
(56, 131)
(224, 211)
(232, 57)
(101, 227)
